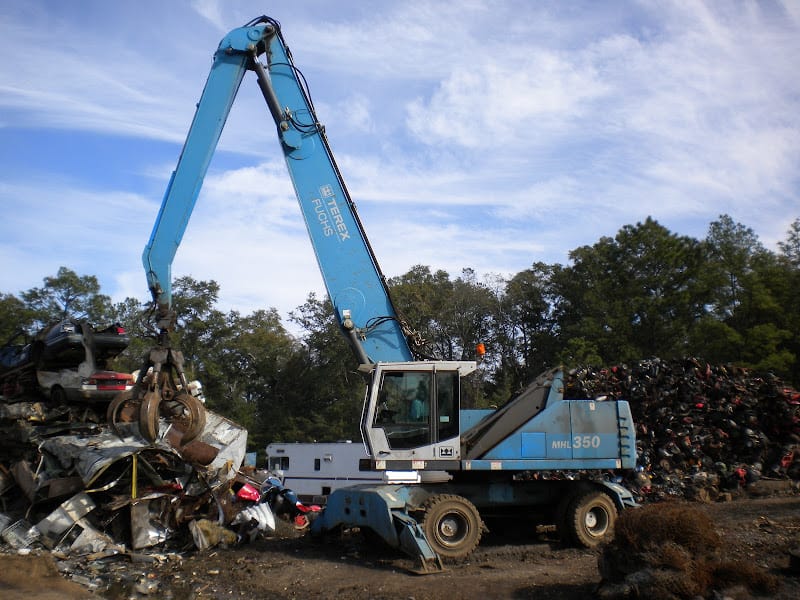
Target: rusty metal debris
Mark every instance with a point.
(703, 431)
(78, 488)
(161, 392)
(151, 469)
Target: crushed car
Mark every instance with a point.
(66, 361)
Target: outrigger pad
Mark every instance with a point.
(414, 543)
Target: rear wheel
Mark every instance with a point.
(589, 519)
(452, 525)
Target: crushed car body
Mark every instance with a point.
(66, 361)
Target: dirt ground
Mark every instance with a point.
(759, 530)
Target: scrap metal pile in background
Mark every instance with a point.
(703, 431)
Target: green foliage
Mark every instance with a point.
(16, 319)
(421, 299)
(579, 351)
(790, 247)
(714, 340)
(765, 348)
(453, 315)
(524, 331)
(319, 397)
(132, 314)
(754, 297)
(644, 292)
(730, 251)
(635, 295)
(68, 295)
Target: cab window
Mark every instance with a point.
(417, 408)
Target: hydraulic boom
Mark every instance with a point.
(464, 461)
(353, 279)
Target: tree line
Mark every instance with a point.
(646, 292)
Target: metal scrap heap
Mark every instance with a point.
(70, 483)
(703, 431)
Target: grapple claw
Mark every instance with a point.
(149, 416)
(122, 409)
(160, 393)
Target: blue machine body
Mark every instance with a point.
(351, 274)
(485, 455)
(567, 435)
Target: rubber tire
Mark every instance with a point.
(561, 520)
(452, 526)
(589, 519)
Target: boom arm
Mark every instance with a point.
(412, 417)
(352, 277)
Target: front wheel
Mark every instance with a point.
(590, 518)
(452, 525)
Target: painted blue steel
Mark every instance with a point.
(362, 505)
(352, 277)
(382, 508)
(472, 416)
(351, 274)
(622, 496)
(184, 186)
(569, 434)
(571, 464)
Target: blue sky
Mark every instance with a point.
(483, 134)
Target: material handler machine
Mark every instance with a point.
(469, 466)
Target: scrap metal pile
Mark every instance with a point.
(702, 430)
(80, 474)
(72, 484)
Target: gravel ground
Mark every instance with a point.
(761, 529)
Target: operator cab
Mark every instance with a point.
(412, 411)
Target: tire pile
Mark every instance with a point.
(702, 430)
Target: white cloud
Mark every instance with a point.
(53, 224)
(489, 135)
(211, 11)
(505, 103)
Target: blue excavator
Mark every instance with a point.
(539, 455)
